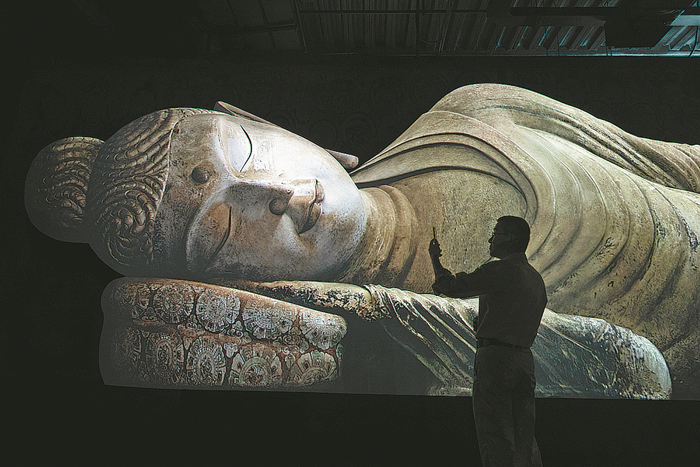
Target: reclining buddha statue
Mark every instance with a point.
(249, 252)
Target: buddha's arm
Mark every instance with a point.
(332, 297)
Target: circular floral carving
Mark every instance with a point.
(324, 133)
(295, 338)
(266, 322)
(385, 93)
(206, 364)
(322, 331)
(126, 348)
(359, 132)
(217, 311)
(256, 366)
(313, 367)
(165, 355)
(132, 297)
(172, 303)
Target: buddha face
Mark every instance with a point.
(251, 200)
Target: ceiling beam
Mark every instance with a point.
(501, 12)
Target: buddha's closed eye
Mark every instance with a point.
(238, 147)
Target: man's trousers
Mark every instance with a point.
(504, 407)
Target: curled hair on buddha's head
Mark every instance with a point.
(106, 193)
(518, 229)
(55, 192)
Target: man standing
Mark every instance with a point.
(512, 299)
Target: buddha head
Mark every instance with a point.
(195, 193)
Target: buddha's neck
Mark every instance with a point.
(388, 246)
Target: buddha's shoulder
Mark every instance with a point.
(478, 100)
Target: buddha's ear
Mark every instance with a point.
(346, 160)
(236, 112)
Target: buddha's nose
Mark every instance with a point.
(281, 195)
(295, 195)
(276, 194)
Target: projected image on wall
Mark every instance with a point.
(255, 259)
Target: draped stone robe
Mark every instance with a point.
(614, 217)
(613, 220)
(574, 356)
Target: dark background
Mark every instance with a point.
(64, 81)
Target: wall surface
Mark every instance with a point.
(50, 337)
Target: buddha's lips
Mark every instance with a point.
(225, 237)
(314, 210)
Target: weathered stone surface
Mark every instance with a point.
(574, 356)
(219, 338)
(194, 194)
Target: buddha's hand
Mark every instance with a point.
(332, 297)
(164, 332)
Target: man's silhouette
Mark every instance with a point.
(512, 299)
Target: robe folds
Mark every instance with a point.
(614, 217)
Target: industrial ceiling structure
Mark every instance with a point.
(415, 27)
